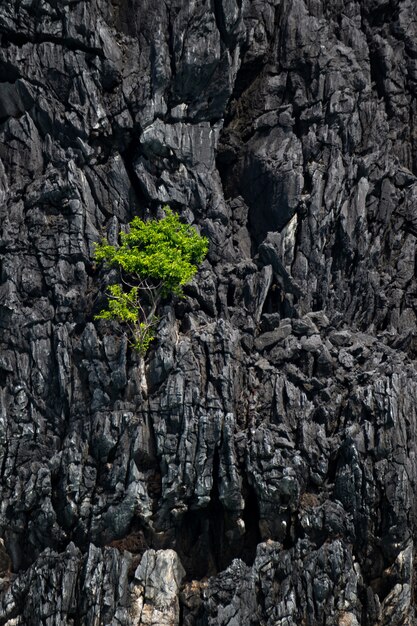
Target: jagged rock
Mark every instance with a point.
(266, 340)
(157, 581)
(264, 450)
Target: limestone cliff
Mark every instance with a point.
(259, 468)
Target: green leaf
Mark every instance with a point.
(159, 257)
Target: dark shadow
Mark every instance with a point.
(209, 539)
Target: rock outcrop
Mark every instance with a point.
(259, 466)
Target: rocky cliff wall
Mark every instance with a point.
(260, 468)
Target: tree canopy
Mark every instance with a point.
(156, 258)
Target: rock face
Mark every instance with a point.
(259, 467)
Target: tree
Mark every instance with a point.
(155, 258)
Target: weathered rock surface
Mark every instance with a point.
(260, 467)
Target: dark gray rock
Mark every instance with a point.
(258, 466)
(268, 339)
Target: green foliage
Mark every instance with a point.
(122, 305)
(155, 258)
